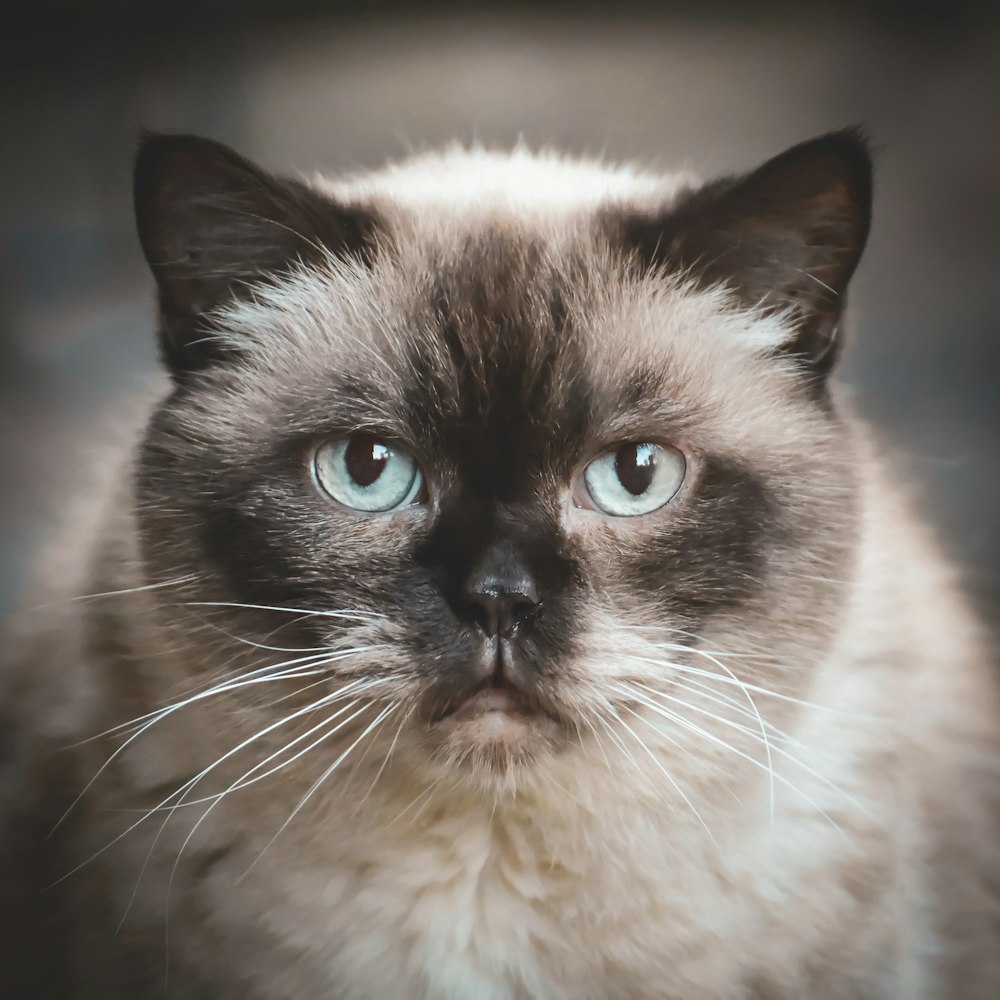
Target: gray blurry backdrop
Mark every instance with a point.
(324, 86)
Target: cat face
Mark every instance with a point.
(518, 474)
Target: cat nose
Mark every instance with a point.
(500, 594)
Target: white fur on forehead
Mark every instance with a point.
(452, 193)
(346, 305)
(308, 306)
(347, 316)
(344, 309)
(718, 360)
(477, 182)
(459, 190)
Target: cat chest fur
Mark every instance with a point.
(526, 900)
(493, 905)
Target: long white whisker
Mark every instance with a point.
(238, 784)
(359, 615)
(705, 692)
(763, 731)
(350, 689)
(756, 689)
(191, 782)
(204, 816)
(736, 705)
(600, 746)
(160, 714)
(665, 772)
(385, 762)
(712, 738)
(242, 781)
(190, 578)
(214, 800)
(682, 647)
(261, 645)
(259, 675)
(617, 740)
(385, 713)
(752, 734)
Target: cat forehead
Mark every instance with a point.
(495, 239)
(493, 294)
(475, 183)
(443, 331)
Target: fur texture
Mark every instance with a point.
(754, 753)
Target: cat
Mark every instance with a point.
(499, 599)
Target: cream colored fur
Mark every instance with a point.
(595, 880)
(671, 868)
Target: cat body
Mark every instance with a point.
(529, 731)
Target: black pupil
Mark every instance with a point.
(366, 458)
(635, 465)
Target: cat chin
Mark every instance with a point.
(491, 739)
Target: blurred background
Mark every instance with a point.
(305, 86)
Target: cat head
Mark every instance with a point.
(515, 448)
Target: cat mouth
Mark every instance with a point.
(496, 723)
(497, 694)
(486, 701)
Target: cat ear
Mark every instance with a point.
(211, 222)
(786, 237)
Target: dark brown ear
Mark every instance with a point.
(787, 236)
(211, 223)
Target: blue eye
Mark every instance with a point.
(365, 473)
(635, 479)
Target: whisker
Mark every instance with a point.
(617, 740)
(756, 689)
(158, 716)
(712, 738)
(348, 690)
(674, 630)
(600, 746)
(242, 781)
(324, 679)
(313, 661)
(214, 800)
(208, 810)
(407, 715)
(261, 645)
(666, 773)
(191, 782)
(426, 792)
(358, 615)
(385, 713)
(190, 578)
(777, 749)
(332, 650)
(236, 786)
(704, 691)
(767, 745)
(358, 762)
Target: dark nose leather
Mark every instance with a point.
(500, 594)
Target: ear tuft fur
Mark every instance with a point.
(211, 223)
(787, 236)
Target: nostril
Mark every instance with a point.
(500, 612)
(499, 593)
(484, 611)
(522, 609)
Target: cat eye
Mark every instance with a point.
(636, 478)
(365, 473)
